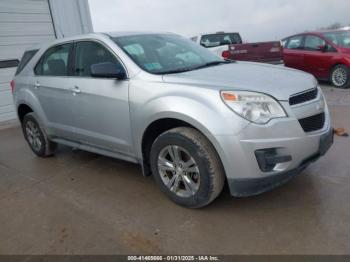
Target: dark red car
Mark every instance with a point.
(324, 54)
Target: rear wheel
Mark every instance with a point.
(36, 137)
(340, 76)
(187, 167)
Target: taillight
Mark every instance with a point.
(226, 54)
(12, 83)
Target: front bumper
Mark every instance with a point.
(286, 136)
(256, 186)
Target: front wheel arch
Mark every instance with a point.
(347, 84)
(160, 126)
(211, 175)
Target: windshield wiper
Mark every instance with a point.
(214, 63)
(186, 69)
(175, 71)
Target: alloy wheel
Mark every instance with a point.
(339, 77)
(33, 135)
(179, 171)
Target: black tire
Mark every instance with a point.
(340, 76)
(33, 131)
(210, 171)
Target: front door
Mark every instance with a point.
(101, 105)
(317, 56)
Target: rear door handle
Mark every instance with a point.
(36, 85)
(75, 90)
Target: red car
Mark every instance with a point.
(324, 54)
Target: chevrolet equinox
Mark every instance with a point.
(191, 118)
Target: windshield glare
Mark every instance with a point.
(341, 38)
(162, 53)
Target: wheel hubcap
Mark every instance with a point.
(33, 135)
(339, 77)
(179, 171)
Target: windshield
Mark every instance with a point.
(220, 39)
(166, 53)
(340, 38)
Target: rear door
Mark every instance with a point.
(294, 53)
(318, 60)
(101, 105)
(51, 86)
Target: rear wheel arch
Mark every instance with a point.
(23, 110)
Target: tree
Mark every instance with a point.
(333, 26)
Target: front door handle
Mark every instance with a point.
(36, 85)
(75, 90)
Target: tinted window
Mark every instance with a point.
(220, 39)
(295, 42)
(89, 53)
(27, 56)
(314, 43)
(165, 53)
(55, 61)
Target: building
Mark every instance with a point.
(24, 23)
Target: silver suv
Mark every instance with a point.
(192, 119)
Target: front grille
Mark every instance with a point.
(313, 123)
(303, 97)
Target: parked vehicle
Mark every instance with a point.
(231, 46)
(189, 117)
(324, 54)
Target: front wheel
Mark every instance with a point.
(340, 76)
(187, 167)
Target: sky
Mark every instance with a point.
(256, 20)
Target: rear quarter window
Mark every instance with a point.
(27, 56)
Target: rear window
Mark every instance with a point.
(220, 39)
(27, 56)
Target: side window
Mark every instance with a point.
(314, 43)
(55, 61)
(27, 56)
(88, 53)
(295, 42)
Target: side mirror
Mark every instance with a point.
(107, 70)
(323, 48)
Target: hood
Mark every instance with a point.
(344, 50)
(277, 81)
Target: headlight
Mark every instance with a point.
(255, 107)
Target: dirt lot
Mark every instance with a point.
(82, 203)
